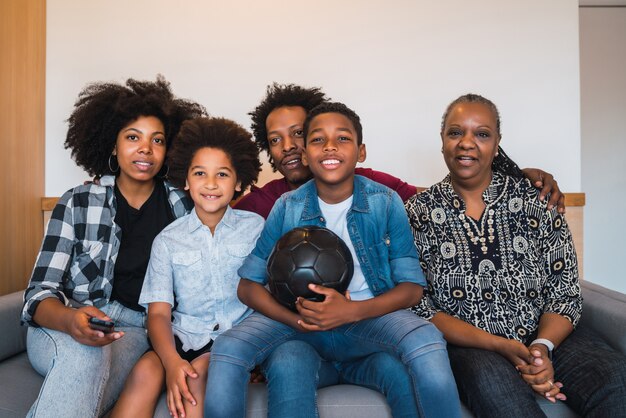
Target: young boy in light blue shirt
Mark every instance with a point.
(388, 278)
(191, 282)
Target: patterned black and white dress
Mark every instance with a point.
(499, 273)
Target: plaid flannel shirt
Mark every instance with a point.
(77, 256)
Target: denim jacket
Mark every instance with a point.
(378, 228)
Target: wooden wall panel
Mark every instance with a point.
(22, 127)
(575, 218)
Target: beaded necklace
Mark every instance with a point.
(479, 237)
(475, 230)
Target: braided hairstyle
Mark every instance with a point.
(502, 163)
(103, 109)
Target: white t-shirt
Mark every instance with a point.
(336, 221)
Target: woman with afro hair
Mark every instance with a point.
(96, 248)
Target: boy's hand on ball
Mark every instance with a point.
(334, 311)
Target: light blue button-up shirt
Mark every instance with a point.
(197, 272)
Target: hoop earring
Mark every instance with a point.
(167, 171)
(116, 163)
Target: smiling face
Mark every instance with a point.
(332, 152)
(212, 182)
(140, 150)
(286, 143)
(470, 142)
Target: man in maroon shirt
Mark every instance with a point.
(277, 125)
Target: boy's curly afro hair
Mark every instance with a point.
(282, 95)
(103, 109)
(218, 133)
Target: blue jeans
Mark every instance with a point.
(593, 376)
(416, 342)
(80, 380)
(295, 371)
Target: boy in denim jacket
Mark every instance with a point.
(372, 221)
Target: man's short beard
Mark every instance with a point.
(299, 182)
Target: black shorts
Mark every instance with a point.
(190, 355)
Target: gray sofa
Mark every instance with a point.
(604, 310)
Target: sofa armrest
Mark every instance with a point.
(12, 334)
(604, 311)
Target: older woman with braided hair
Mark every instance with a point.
(503, 282)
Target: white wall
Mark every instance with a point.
(398, 64)
(603, 110)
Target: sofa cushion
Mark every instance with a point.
(13, 335)
(20, 386)
(604, 312)
(343, 401)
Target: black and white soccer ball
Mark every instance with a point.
(308, 254)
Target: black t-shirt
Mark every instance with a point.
(139, 228)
